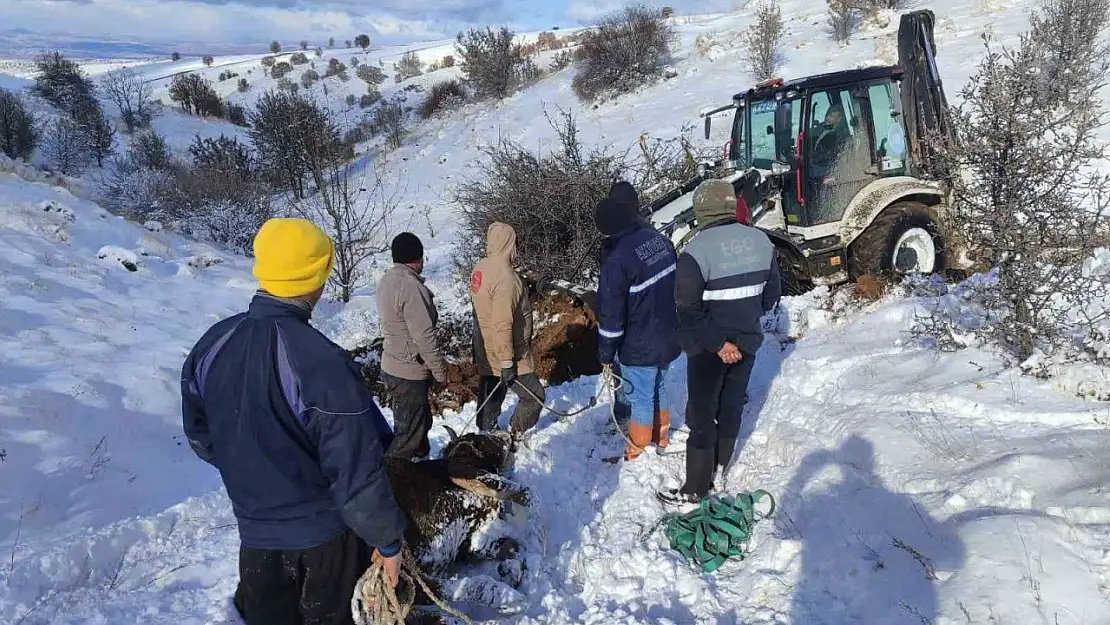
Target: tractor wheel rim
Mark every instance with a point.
(915, 252)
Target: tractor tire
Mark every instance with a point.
(792, 279)
(890, 246)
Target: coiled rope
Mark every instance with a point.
(377, 602)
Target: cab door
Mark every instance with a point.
(838, 152)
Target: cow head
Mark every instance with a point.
(478, 452)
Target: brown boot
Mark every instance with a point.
(641, 437)
(661, 430)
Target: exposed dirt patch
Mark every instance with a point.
(870, 288)
(564, 347)
(565, 342)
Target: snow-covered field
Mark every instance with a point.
(915, 487)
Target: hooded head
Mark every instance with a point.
(619, 211)
(714, 200)
(501, 241)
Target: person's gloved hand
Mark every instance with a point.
(508, 375)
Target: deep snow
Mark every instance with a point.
(915, 487)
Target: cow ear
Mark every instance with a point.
(454, 436)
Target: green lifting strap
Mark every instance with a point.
(717, 530)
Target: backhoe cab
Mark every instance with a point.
(834, 168)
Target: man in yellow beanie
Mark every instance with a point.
(283, 414)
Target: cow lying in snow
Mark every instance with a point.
(452, 505)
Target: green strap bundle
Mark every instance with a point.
(717, 530)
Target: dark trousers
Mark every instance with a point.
(527, 412)
(412, 417)
(302, 587)
(717, 394)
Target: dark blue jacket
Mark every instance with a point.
(283, 413)
(635, 299)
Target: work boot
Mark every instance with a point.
(640, 436)
(699, 476)
(661, 429)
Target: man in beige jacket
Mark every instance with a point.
(503, 335)
(411, 353)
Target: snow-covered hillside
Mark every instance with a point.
(914, 487)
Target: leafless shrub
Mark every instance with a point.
(19, 130)
(132, 96)
(765, 40)
(1027, 200)
(280, 70)
(562, 60)
(309, 78)
(372, 75)
(843, 18)
(549, 199)
(628, 48)
(410, 66)
(493, 63)
(370, 98)
(335, 68)
(148, 150)
(448, 61)
(389, 120)
(444, 95)
(244, 86)
(65, 147)
(299, 58)
(268, 61)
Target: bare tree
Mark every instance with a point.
(765, 40)
(132, 96)
(275, 47)
(362, 41)
(356, 209)
(207, 60)
(1028, 199)
(843, 19)
(65, 147)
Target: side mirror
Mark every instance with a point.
(779, 168)
(708, 125)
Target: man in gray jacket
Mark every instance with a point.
(411, 353)
(727, 278)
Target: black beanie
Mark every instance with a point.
(407, 248)
(619, 210)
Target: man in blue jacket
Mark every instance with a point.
(636, 314)
(283, 414)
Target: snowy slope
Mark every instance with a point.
(914, 487)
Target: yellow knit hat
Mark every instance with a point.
(292, 257)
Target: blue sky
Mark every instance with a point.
(245, 21)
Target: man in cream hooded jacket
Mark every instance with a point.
(503, 335)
